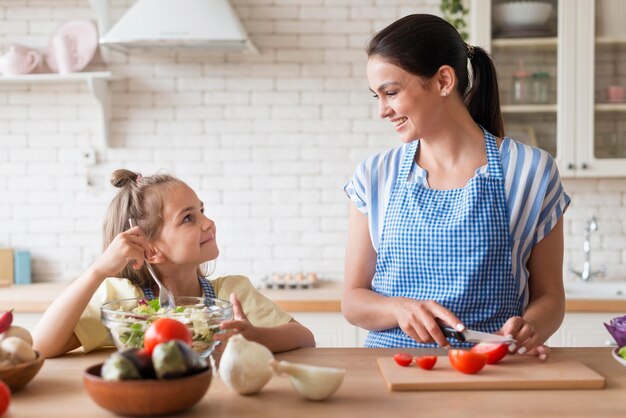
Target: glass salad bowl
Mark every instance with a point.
(128, 319)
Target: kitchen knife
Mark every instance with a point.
(473, 336)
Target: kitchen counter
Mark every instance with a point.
(326, 297)
(57, 391)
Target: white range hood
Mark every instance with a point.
(196, 24)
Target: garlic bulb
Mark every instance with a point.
(245, 365)
(311, 382)
(20, 350)
(19, 332)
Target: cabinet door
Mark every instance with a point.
(534, 65)
(583, 330)
(601, 63)
(329, 329)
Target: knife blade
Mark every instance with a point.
(473, 336)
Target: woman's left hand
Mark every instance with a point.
(528, 340)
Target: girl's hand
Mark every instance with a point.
(417, 318)
(128, 246)
(528, 341)
(239, 325)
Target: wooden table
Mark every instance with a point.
(57, 391)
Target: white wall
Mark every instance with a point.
(267, 141)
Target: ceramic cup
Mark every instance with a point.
(615, 94)
(19, 59)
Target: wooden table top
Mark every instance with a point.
(57, 391)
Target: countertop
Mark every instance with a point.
(326, 297)
(57, 391)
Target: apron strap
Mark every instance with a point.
(207, 290)
(494, 166)
(407, 162)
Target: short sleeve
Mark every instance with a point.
(355, 189)
(554, 205)
(90, 330)
(260, 310)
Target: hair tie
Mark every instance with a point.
(470, 51)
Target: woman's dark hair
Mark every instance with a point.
(421, 43)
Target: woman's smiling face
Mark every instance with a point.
(407, 100)
(187, 236)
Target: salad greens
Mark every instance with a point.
(617, 329)
(202, 328)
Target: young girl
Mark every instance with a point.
(174, 236)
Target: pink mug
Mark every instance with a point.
(615, 94)
(18, 60)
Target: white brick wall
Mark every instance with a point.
(266, 140)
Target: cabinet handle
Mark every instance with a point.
(584, 166)
(570, 166)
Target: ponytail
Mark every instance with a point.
(482, 99)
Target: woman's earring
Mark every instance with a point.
(444, 93)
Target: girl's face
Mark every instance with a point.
(187, 237)
(408, 101)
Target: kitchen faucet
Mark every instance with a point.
(587, 273)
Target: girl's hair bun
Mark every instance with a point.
(124, 178)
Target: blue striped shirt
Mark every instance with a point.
(535, 196)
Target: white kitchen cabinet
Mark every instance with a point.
(584, 330)
(584, 52)
(330, 329)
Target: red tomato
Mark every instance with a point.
(466, 361)
(5, 397)
(494, 352)
(426, 362)
(403, 359)
(163, 330)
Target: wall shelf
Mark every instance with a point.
(610, 40)
(97, 82)
(610, 107)
(548, 43)
(529, 108)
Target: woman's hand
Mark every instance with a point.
(528, 340)
(417, 318)
(128, 246)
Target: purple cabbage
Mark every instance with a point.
(617, 328)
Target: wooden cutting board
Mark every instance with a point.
(513, 372)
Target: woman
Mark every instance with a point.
(458, 224)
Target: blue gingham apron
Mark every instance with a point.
(207, 290)
(450, 246)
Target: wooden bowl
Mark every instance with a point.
(148, 396)
(21, 374)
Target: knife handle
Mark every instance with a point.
(450, 332)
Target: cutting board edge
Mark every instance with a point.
(582, 385)
(596, 381)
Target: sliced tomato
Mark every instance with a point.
(466, 361)
(494, 352)
(403, 359)
(426, 362)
